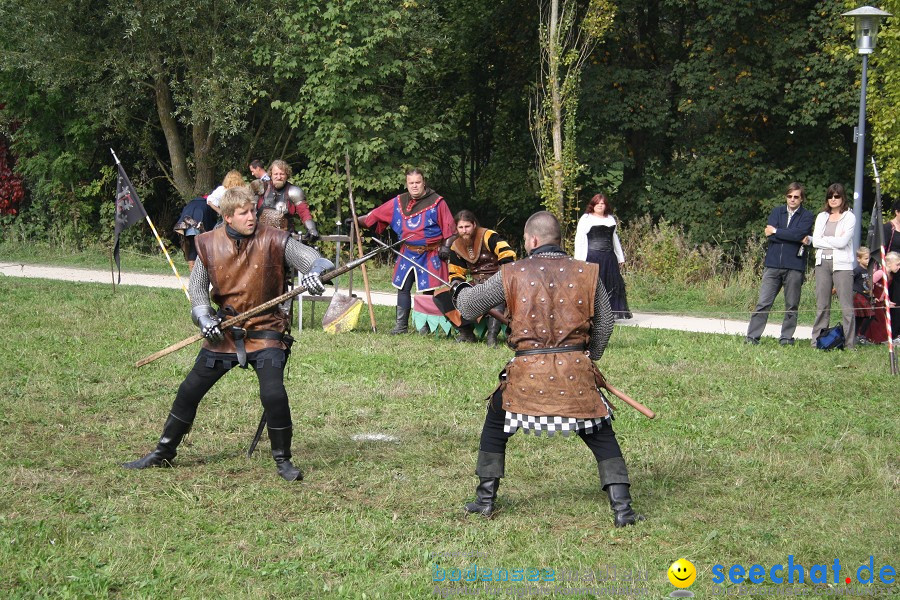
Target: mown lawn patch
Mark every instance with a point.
(758, 453)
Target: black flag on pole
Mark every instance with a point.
(129, 211)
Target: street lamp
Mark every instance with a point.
(866, 19)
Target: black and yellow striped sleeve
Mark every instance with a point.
(499, 247)
(459, 270)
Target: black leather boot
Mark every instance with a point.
(466, 334)
(402, 325)
(485, 495)
(614, 481)
(281, 452)
(166, 448)
(489, 469)
(492, 331)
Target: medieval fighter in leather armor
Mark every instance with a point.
(560, 322)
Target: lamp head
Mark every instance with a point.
(866, 24)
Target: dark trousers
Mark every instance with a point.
(404, 294)
(602, 442)
(209, 368)
(772, 282)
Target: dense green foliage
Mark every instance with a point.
(695, 112)
(882, 105)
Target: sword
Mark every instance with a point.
(494, 313)
(258, 435)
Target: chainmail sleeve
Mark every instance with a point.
(476, 301)
(198, 286)
(602, 322)
(299, 255)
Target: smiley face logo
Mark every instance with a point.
(682, 573)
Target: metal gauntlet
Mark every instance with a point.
(311, 229)
(311, 281)
(208, 321)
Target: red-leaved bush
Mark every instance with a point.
(11, 189)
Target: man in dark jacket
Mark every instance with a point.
(788, 230)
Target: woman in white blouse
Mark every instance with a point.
(833, 239)
(596, 241)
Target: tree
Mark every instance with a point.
(712, 108)
(566, 42)
(361, 70)
(181, 69)
(883, 98)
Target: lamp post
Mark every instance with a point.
(866, 21)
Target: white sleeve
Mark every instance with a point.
(617, 245)
(216, 196)
(818, 230)
(581, 238)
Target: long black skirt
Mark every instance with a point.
(612, 280)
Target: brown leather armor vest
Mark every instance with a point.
(551, 303)
(243, 278)
(482, 262)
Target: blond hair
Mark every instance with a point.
(235, 198)
(280, 164)
(892, 257)
(232, 179)
(862, 252)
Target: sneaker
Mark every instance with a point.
(750, 340)
(863, 341)
(788, 342)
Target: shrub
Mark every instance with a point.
(663, 251)
(12, 192)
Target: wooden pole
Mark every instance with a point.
(259, 309)
(354, 229)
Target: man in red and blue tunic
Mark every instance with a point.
(422, 218)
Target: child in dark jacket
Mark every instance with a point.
(862, 296)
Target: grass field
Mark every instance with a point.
(758, 453)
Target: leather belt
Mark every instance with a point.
(600, 245)
(558, 349)
(240, 334)
(422, 249)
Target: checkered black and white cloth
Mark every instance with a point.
(551, 425)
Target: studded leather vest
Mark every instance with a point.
(243, 277)
(482, 262)
(551, 303)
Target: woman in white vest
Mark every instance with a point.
(833, 239)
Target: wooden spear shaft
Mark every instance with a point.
(259, 309)
(354, 229)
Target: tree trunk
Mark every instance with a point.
(204, 137)
(165, 108)
(556, 107)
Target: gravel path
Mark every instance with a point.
(645, 320)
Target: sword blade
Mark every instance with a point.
(411, 261)
(257, 435)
